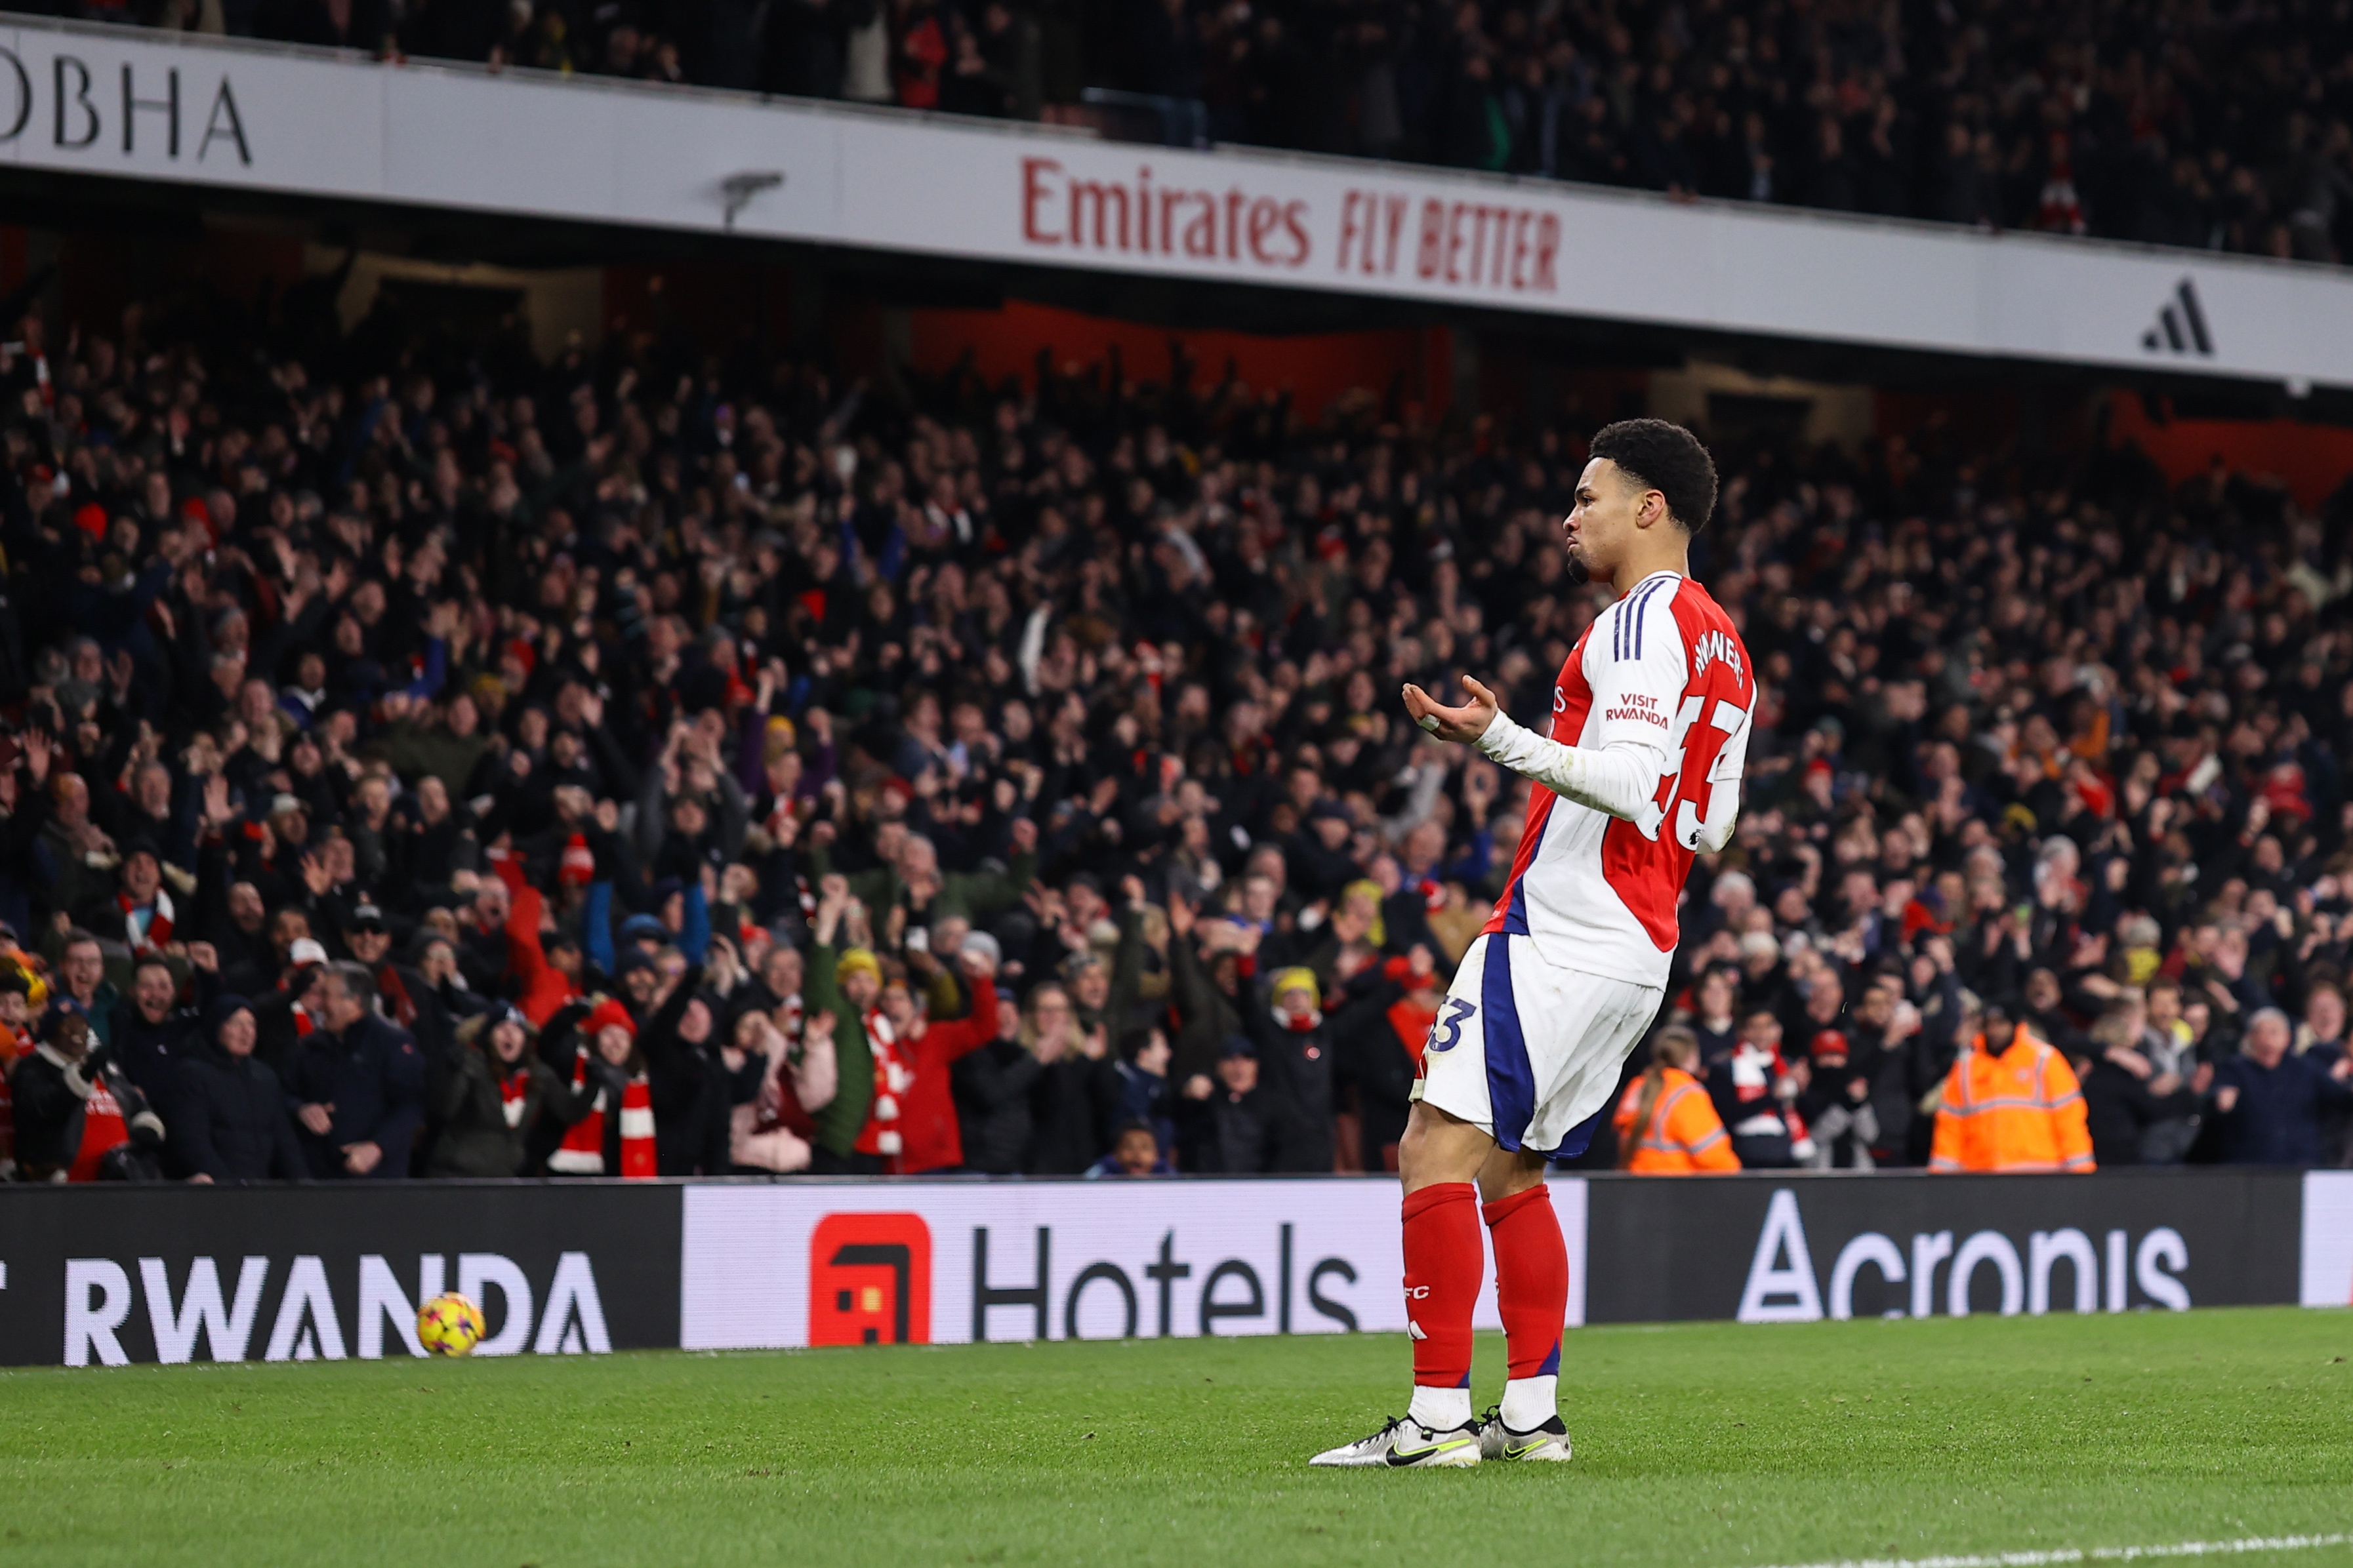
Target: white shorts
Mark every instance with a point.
(1529, 1052)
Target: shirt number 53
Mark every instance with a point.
(1690, 804)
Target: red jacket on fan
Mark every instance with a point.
(912, 1094)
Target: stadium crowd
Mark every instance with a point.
(2193, 124)
(439, 763)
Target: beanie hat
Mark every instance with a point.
(578, 865)
(608, 1014)
(221, 1009)
(855, 961)
(1294, 978)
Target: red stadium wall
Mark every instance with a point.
(1315, 369)
(2311, 460)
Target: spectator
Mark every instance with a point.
(592, 1042)
(1835, 1105)
(493, 1095)
(911, 1127)
(1294, 1056)
(846, 983)
(229, 1116)
(1074, 1089)
(1755, 1093)
(2271, 1108)
(81, 972)
(771, 1132)
(1666, 1124)
(78, 1116)
(358, 1083)
(1134, 1152)
(151, 1031)
(2010, 1104)
(992, 1086)
(1143, 1088)
(2127, 1100)
(1234, 1127)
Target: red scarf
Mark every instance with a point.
(102, 1129)
(894, 1075)
(515, 1095)
(779, 1105)
(159, 922)
(396, 1002)
(302, 1024)
(582, 1149)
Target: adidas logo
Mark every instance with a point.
(2180, 325)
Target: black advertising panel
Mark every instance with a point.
(103, 1275)
(1768, 1248)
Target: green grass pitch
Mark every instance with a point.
(1703, 1444)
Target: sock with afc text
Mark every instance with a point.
(1532, 1295)
(1443, 1265)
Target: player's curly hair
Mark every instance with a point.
(1667, 459)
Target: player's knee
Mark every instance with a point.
(1438, 1147)
(1506, 1176)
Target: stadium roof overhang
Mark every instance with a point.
(186, 119)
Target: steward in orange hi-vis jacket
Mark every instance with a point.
(2018, 1108)
(1667, 1126)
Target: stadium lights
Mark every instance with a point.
(739, 189)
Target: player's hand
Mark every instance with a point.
(1460, 725)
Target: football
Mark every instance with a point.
(450, 1324)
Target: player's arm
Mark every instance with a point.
(1635, 691)
(1724, 778)
(1618, 776)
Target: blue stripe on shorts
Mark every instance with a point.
(1510, 1082)
(1580, 1137)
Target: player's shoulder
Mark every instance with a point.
(1694, 605)
(1643, 622)
(1709, 635)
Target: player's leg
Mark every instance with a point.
(1440, 1159)
(1591, 1023)
(1447, 1142)
(1532, 1295)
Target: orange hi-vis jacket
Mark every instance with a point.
(2019, 1110)
(1683, 1135)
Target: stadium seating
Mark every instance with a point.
(736, 690)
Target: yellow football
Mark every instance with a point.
(450, 1324)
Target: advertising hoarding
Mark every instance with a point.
(946, 1263)
(105, 1275)
(1912, 1245)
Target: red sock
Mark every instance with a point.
(1443, 1265)
(1531, 1280)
